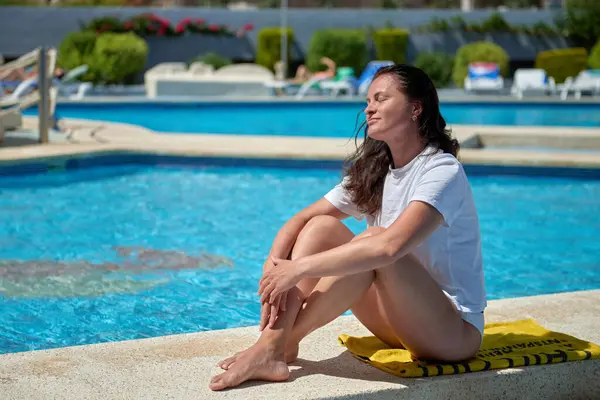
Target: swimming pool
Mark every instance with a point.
(132, 251)
(324, 119)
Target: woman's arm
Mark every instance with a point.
(417, 222)
(287, 235)
(413, 226)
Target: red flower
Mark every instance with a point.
(214, 28)
(161, 31)
(200, 21)
(128, 25)
(248, 27)
(185, 21)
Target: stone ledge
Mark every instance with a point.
(180, 366)
(115, 137)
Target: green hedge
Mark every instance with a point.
(76, 49)
(478, 52)
(594, 60)
(110, 57)
(391, 44)
(118, 56)
(562, 63)
(268, 47)
(437, 65)
(347, 47)
(495, 22)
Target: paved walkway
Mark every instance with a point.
(490, 145)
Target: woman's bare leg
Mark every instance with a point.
(419, 316)
(265, 360)
(368, 310)
(320, 234)
(401, 304)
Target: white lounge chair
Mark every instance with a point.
(10, 117)
(11, 109)
(245, 72)
(586, 82)
(11, 106)
(532, 81)
(483, 77)
(69, 85)
(351, 85)
(175, 79)
(199, 68)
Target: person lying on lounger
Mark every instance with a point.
(414, 278)
(304, 75)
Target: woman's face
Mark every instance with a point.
(389, 112)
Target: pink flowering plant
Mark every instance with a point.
(153, 25)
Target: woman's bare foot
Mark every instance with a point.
(291, 355)
(226, 363)
(256, 363)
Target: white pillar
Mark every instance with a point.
(43, 88)
(466, 5)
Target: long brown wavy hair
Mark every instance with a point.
(365, 170)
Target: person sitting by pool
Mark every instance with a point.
(414, 278)
(304, 75)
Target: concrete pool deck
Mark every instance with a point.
(487, 145)
(180, 366)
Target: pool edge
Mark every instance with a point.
(116, 139)
(180, 366)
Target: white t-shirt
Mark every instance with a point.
(452, 254)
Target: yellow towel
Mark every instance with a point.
(505, 345)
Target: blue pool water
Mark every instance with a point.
(329, 119)
(126, 252)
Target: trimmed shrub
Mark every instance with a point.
(437, 65)
(477, 52)
(562, 63)
(268, 47)
(118, 56)
(391, 44)
(594, 60)
(77, 49)
(110, 57)
(347, 47)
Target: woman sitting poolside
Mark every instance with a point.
(414, 278)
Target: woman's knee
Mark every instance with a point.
(324, 231)
(320, 226)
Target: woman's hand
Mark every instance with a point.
(268, 311)
(278, 280)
